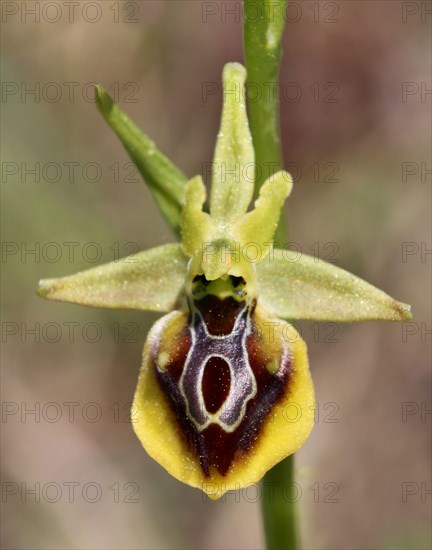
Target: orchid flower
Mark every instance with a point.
(223, 368)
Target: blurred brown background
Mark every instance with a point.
(356, 132)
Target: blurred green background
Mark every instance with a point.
(356, 134)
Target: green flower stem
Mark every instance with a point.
(262, 46)
(279, 506)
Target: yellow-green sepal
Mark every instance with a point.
(298, 286)
(234, 158)
(152, 280)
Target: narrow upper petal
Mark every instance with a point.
(258, 226)
(197, 226)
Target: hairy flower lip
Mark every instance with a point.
(159, 424)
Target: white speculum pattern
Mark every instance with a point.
(232, 349)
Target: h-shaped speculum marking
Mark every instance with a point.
(232, 349)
